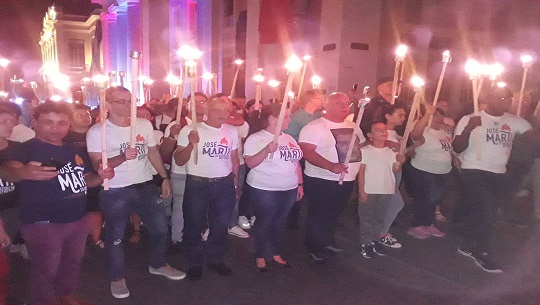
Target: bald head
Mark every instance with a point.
(337, 107)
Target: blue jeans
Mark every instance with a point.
(271, 209)
(116, 205)
(483, 190)
(215, 199)
(177, 214)
(427, 191)
(241, 179)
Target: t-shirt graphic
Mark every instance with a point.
(215, 149)
(446, 143)
(343, 138)
(71, 178)
(139, 145)
(500, 136)
(290, 152)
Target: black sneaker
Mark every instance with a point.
(367, 250)
(220, 268)
(378, 248)
(465, 252)
(483, 261)
(317, 257)
(329, 250)
(194, 273)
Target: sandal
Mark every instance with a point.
(135, 237)
(100, 244)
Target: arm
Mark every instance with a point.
(363, 196)
(300, 192)
(461, 141)
(114, 161)
(258, 158)
(420, 127)
(314, 158)
(5, 240)
(15, 171)
(183, 153)
(169, 142)
(396, 168)
(235, 164)
(155, 159)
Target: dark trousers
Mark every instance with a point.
(56, 251)
(482, 189)
(217, 200)
(116, 205)
(271, 209)
(427, 190)
(326, 201)
(4, 274)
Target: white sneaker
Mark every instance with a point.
(119, 289)
(204, 237)
(238, 232)
(252, 220)
(168, 272)
(244, 223)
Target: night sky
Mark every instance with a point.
(20, 25)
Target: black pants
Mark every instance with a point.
(326, 201)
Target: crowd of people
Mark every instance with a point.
(236, 168)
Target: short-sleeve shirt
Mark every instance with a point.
(379, 175)
(243, 131)
(214, 150)
(175, 168)
(8, 191)
(61, 199)
(299, 119)
(130, 172)
(278, 173)
(332, 140)
(496, 136)
(435, 155)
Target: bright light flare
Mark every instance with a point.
(446, 57)
(306, 57)
(238, 62)
(473, 68)
(189, 53)
(4, 62)
(316, 80)
(290, 95)
(258, 78)
(100, 81)
(61, 81)
(33, 85)
(3, 94)
(56, 98)
(173, 79)
(417, 82)
(526, 59)
(495, 70)
(207, 76)
(85, 80)
(401, 52)
(146, 81)
(501, 84)
(293, 64)
(273, 83)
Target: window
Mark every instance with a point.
(76, 54)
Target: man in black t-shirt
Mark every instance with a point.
(52, 178)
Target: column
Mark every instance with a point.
(134, 38)
(122, 42)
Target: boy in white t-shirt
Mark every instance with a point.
(376, 185)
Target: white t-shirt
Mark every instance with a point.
(394, 137)
(21, 133)
(162, 119)
(243, 131)
(175, 168)
(214, 150)
(332, 141)
(379, 176)
(496, 136)
(435, 155)
(279, 173)
(129, 172)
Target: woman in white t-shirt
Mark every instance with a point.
(276, 183)
(429, 166)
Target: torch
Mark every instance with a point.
(293, 65)
(208, 77)
(306, 58)
(474, 69)
(190, 55)
(526, 60)
(401, 52)
(259, 79)
(4, 62)
(147, 87)
(446, 58)
(238, 63)
(316, 82)
(274, 84)
(135, 56)
(418, 85)
(100, 81)
(122, 74)
(174, 81)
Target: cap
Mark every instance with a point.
(383, 80)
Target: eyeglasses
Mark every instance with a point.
(122, 102)
(344, 103)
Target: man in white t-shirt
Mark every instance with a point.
(484, 143)
(325, 142)
(210, 186)
(131, 189)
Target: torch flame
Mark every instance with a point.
(446, 57)
(501, 84)
(401, 52)
(238, 62)
(316, 80)
(207, 75)
(473, 68)
(4, 62)
(273, 83)
(293, 64)
(417, 82)
(526, 60)
(258, 78)
(100, 81)
(306, 57)
(173, 79)
(189, 53)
